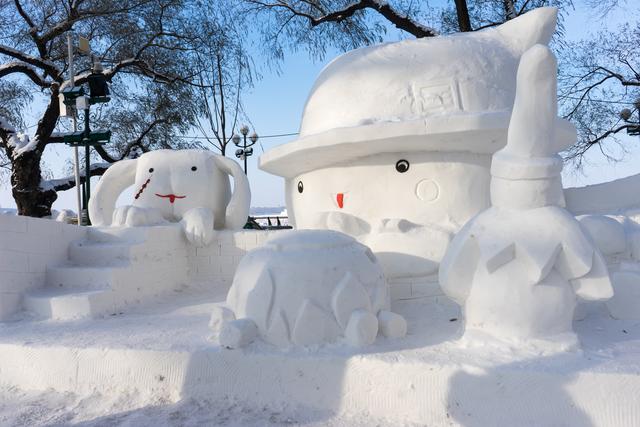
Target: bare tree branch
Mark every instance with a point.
(399, 20)
(25, 69)
(44, 65)
(67, 183)
(138, 142)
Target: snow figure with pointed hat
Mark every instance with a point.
(518, 267)
(396, 141)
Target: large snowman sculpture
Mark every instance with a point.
(396, 141)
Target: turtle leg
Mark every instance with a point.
(392, 325)
(362, 328)
(219, 316)
(238, 333)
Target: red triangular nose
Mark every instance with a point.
(340, 199)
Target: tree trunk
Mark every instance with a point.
(464, 22)
(25, 182)
(26, 175)
(509, 10)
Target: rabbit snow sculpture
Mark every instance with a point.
(190, 186)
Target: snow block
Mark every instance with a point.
(28, 247)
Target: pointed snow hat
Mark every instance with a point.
(452, 93)
(525, 174)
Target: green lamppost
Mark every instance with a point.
(75, 96)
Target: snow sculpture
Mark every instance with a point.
(618, 239)
(396, 139)
(190, 186)
(306, 288)
(518, 267)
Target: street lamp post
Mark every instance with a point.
(72, 100)
(245, 150)
(98, 93)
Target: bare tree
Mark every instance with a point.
(13, 98)
(343, 24)
(140, 41)
(600, 89)
(347, 15)
(347, 24)
(226, 70)
(490, 13)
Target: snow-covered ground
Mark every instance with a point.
(28, 409)
(609, 358)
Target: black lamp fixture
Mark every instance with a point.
(98, 85)
(245, 150)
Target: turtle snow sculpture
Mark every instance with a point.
(307, 288)
(518, 267)
(396, 140)
(190, 186)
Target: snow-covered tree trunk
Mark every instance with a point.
(26, 176)
(25, 154)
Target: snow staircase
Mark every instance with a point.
(112, 269)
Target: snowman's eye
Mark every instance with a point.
(402, 166)
(300, 187)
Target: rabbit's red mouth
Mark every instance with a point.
(172, 197)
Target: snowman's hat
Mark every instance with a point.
(452, 93)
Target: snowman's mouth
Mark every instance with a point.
(172, 197)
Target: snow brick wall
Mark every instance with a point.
(28, 246)
(44, 265)
(217, 262)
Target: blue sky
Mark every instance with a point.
(275, 107)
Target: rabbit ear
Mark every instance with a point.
(529, 29)
(115, 180)
(237, 210)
